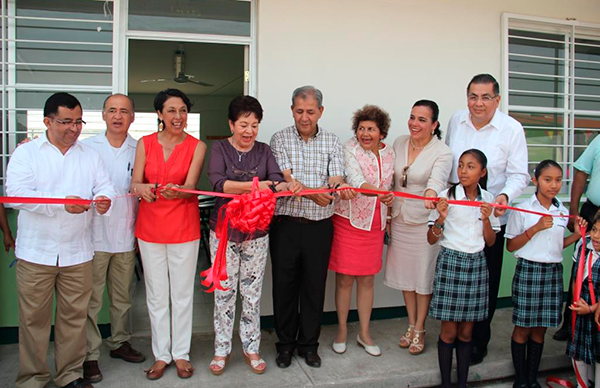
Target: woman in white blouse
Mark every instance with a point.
(422, 167)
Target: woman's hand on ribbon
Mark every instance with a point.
(168, 193)
(387, 199)
(348, 192)
(430, 204)
(146, 191)
(76, 209)
(501, 199)
(581, 307)
(103, 204)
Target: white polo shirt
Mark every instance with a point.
(463, 228)
(502, 141)
(115, 233)
(48, 234)
(545, 246)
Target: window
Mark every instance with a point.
(50, 46)
(552, 69)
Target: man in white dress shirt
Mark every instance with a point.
(54, 243)
(502, 140)
(113, 238)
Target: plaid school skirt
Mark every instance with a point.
(537, 291)
(584, 345)
(460, 287)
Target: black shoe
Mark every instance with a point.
(79, 383)
(562, 334)
(477, 355)
(284, 358)
(312, 359)
(91, 371)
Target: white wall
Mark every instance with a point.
(385, 52)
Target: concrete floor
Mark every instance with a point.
(395, 368)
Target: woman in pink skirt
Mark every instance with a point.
(359, 223)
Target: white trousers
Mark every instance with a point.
(169, 273)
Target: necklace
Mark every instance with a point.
(240, 154)
(414, 146)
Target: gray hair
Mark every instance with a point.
(119, 94)
(304, 92)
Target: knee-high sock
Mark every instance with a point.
(445, 351)
(584, 371)
(463, 356)
(519, 357)
(534, 356)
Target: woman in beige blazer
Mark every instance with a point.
(423, 164)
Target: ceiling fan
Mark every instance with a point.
(179, 66)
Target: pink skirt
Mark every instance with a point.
(354, 251)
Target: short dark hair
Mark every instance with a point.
(164, 95)
(60, 99)
(119, 94)
(244, 106)
(375, 114)
(544, 164)
(435, 113)
(484, 79)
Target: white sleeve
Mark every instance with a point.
(21, 182)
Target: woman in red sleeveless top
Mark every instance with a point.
(168, 229)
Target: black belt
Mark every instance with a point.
(300, 220)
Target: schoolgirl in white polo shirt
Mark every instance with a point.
(461, 283)
(537, 288)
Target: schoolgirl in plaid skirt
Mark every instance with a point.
(460, 288)
(537, 289)
(584, 346)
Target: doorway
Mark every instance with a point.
(210, 74)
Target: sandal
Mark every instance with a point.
(406, 339)
(156, 372)
(217, 367)
(186, 370)
(255, 364)
(418, 343)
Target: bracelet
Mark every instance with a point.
(436, 235)
(590, 307)
(527, 235)
(439, 226)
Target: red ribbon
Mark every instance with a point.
(247, 213)
(253, 211)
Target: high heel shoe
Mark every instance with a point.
(407, 338)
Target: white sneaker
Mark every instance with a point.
(339, 347)
(373, 350)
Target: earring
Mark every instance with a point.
(161, 125)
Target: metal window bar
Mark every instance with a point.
(534, 56)
(60, 19)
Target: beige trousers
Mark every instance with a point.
(114, 271)
(36, 286)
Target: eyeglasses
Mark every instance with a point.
(405, 176)
(244, 173)
(484, 98)
(70, 123)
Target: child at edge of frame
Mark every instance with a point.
(537, 287)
